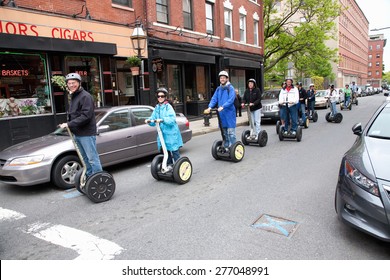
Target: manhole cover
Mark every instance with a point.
(276, 225)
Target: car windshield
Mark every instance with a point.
(380, 128)
(270, 95)
(321, 93)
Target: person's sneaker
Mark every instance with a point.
(284, 132)
(293, 133)
(227, 150)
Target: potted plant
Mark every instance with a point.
(59, 81)
(135, 63)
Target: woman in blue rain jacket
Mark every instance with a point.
(169, 128)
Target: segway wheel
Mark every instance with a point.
(357, 102)
(78, 181)
(215, 147)
(338, 118)
(281, 137)
(100, 187)
(327, 117)
(237, 152)
(315, 116)
(307, 122)
(277, 127)
(350, 106)
(182, 170)
(245, 134)
(299, 134)
(262, 138)
(156, 166)
(341, 106)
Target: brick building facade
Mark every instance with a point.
(188, 43)
(376, 46)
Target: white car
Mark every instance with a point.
(322, 99)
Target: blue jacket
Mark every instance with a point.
(169, 128)
(224, 96)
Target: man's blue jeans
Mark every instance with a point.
(303, 110)
(292, 113)
(230, 136)
(333, 108)
(173, 156)
(87, 147)
(347, 100)
(256, 117)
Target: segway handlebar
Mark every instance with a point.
(155, 121)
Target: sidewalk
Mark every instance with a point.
(198, 127)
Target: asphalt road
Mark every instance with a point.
(290, 186)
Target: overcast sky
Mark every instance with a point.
(378, 14)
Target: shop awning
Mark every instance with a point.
(10, 41)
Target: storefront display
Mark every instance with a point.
(24, 85)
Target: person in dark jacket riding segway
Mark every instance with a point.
(311, 101)
(303, 121)
(252, 99)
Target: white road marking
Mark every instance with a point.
(88, 246)
(6, 214)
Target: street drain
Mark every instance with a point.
(276, 225)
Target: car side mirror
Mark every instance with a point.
(103, 128)
(357, 129)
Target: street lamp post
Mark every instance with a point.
(138, 40)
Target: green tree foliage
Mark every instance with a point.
(298, 34)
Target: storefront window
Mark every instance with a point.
(237, 79)
(173, 77)
(24, 88)
(88, 68)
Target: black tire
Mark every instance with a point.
(237, 152)
(357, 102)
(338, 118)
(281, 138)
(277, 127)
(350, 106)
(327, 117)
(78, 182)
(155, 167)
(64, 171)
(299, 134)
(182, 170)
(100, 187)
(215, 147)
(244, 137)
(315, 116)
(262, 138)
(341, 106)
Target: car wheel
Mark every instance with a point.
(64, 171)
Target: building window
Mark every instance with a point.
(256, 33)
(369, 64)
(228, 24)
(162, 11)
(242, 28)
(378, 47)
(370, 48)
(127, 3)
(187, 15)
(377, 73)
(378, 55)
(24, 87)
(209, 18)
(369, 73)
(377, 63)
(370, 56)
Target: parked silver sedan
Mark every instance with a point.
(122, 136)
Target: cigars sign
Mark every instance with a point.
(17, 28)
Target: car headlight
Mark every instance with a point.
(28, 160)
(361, 180)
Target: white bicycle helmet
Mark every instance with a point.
(223, 73)
(73, 76)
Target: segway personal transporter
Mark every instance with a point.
(283, 134)
(302, 123)
(234, 153)
(180, 171)
(99, 187)
(250, 137)
(336, 118)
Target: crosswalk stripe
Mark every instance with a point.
(6, 214)
(88, 246)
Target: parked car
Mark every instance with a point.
(322, 99)
(362, 197)
(270, 103)
(122, 136)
